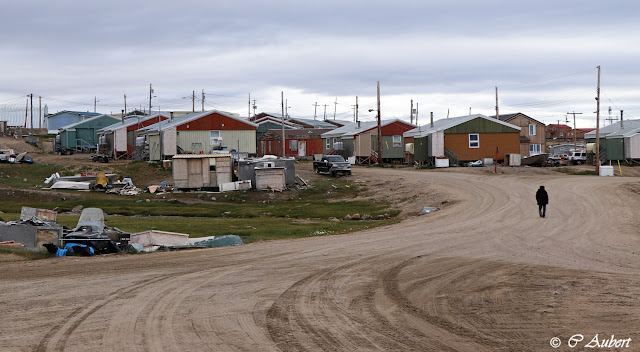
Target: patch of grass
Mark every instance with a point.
(26, 254)
(252, 215)
(13, 174)
(250, 230)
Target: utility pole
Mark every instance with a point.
(150, 92)
(254, 108)
(286, 108)
(26, 112)
(335, 107)
(315, 110)
(575, 130)
(125, 104)
(379, 129)
(598, 125)
(417, 111)
(249, 108)
(325, 111)
(193, 101)
(282, 102)
(31, 113)
(411, 111)
(469, 111)
(356, 109)
(40, 112)
(203, 100)
(497, 114)
(95, 100)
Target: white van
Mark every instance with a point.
(578, 157)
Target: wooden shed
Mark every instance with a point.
(196, 171)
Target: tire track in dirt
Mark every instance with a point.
(58, 335)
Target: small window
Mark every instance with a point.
(215, 138)
(474, 140)
(397, 141)
(328, 143)
(532, 129)
(535, 149)
(561, 134)
(293, 145)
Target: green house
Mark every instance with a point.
(83, 135)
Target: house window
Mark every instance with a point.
(293, 145)
(532, 129)
(474, 140)
(215, 138)
(535, 149)
(397, 141)
(328, 146)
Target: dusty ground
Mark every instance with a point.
(483, 274)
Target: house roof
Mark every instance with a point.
(314, 123)
(629, 127)
(83, 113)
(374, 126)
(508, 117)
(130, 121)
(265, 119)
(180, 120)
(349, 128)
(444, 124)
(74, 125)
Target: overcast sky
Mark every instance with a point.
(448, 56)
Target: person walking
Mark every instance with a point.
(543, 199)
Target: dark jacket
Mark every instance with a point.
(541, 196)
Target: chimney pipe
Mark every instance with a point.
(358, 124)
(621, 121)
(122, 118)
(432, 119)
(171, 116)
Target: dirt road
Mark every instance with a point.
(484, 274)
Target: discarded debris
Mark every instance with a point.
(217, 241)
(10, 244)
(428, 210)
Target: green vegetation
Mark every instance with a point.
(252, 230)
(252, 215)
(27, 255)
(14, 174)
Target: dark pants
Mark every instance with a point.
(542, 209)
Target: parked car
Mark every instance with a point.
(578, 157)
(332, 164)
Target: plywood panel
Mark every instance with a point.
(180, 174)
(194, 170)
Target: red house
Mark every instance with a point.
(301, 143)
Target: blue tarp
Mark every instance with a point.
(68, 248)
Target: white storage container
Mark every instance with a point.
(606, 170)
(442, 162)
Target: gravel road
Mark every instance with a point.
(483, 274)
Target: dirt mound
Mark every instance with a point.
(19, 145)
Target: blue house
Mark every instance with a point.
(65, 118)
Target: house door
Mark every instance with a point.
(302, 148)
